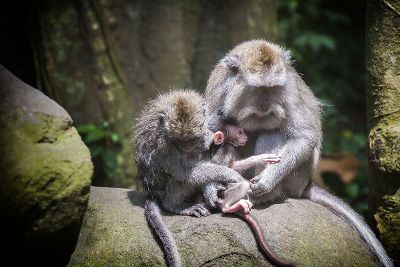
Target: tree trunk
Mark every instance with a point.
(102, 60)
(383, 91)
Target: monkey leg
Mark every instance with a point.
(197, 210)
(210, 194)
(175, 200)
(242, 205)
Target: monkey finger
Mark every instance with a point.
(258, 189)
(196, 214)
(258, 194)
(271, 161)
(248, 203)
(272, 155)
(211, 203)
(234, 208)
(220, 187)
(254, 180)
(272, 158)
(203, 211)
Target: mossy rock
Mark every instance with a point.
(388, 224)
(46, 173)
(115, 233)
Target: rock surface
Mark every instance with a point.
(45, 173)
(115, 233)
(388, 224)
(382, 45)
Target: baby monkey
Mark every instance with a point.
(235, 197)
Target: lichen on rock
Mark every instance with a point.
(46, 169)
(115, 233)
(388, 223)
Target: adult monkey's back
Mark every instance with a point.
(256, 86)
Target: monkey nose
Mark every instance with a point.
(263, 106)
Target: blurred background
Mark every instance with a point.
(102, 60)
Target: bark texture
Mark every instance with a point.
(383, 91)
(115, 233)
(102, 60)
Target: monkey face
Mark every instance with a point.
(181, 117)
(259, 64)
(257, 78)
(235, 135)
(191, 136)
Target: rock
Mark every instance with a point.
(45, 177)
(388, 224)
(115, 233)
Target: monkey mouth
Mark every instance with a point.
(261, 114)
(188, 149)
(243, 143)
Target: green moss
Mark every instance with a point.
(384, 140)
(46, 171)
(388, 223)
(115, 233)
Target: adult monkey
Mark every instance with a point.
(256, 87)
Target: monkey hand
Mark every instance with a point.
(242, 205)
(197, 210)
(269, 158)
(260, 186)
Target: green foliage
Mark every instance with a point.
(327, 42)
(105, 146)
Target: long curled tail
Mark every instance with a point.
(262, 243)
(340, 208)
(154, 219)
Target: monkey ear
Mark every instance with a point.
(218, 137)
(232, 62)
(287, 56)
(161, 119)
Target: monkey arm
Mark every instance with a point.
(199, 172)
(245, 164)
(203, 173)
(294, 153)
(206, 172)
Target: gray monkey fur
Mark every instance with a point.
(233, 201)
(230, 138)
(169, 138)
(256, 87)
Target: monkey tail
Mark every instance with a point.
(262, 243)
(340, 208)
(154, 219)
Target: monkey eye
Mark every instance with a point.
(189, 140)
(232, 63)
(234, 69)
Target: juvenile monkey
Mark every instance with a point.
(235, 196)
(170, 138)
(256, 86)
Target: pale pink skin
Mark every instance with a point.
(242, 205)
(241, 140)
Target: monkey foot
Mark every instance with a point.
(198, 210)
(241, 205)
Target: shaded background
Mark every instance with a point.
(102, 60)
